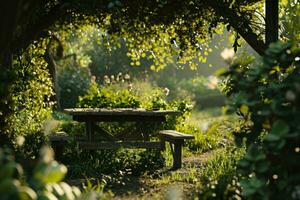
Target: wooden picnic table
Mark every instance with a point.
(142, 117)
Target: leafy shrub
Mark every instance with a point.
(204, 91)
(31, 146)
(73, 81)
(270, 116)
(111, 166)
(43, 182)
(31, 94)
(210, 129)
(125, 95)
(215, 137)
(7, 77)
(109, 97)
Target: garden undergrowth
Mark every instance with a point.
(136, 173)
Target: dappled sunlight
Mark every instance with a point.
(161, 99)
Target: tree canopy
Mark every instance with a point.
(145, 24)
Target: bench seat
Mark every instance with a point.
(120, 144)
(176, 140)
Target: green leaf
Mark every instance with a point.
(51, 173)
(244, 163)
(110, 5)
(26, 193)
(260, 156)
(244, 109)
(272, 138)
(280, 128)
(256, 182)
(280, 145)
(262, 167)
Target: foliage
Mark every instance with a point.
(216, 136)
(158, 30)
(219, 178)
(112, 167)
(269, 122)
(172, 26)
(110, 59)
(73, 82)
(123, 93)
(7, 77)
(289, 16)
(205, 90)
(44, 181)
(33, 142)
(108, 98)
(31, 95)
(118, 164)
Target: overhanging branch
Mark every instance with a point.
(241, 25)
(36, 30)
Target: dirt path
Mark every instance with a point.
(164, 184)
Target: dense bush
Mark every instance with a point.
(217, 135)
(122, 94)
(267, 99)
(31, 94)
(73, 81)
(43, 181)
(203, 91)
(108, 97)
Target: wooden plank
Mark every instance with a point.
(59, 136)
(131, 136)
(118, 118)
(174, 135)
(119, 112)
(104, 133)
(117, 145)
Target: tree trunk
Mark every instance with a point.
(272, 26)
(6, 79)
(52, 70)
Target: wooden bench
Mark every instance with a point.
(176, 140)
(58, 141)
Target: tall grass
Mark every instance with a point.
(219, 177)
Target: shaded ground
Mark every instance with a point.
(164, 182)
(184, 182)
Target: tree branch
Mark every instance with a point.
(35, 31)
(241, 25)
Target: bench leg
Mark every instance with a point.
(58, 148)
(162, 145)
(177, 155)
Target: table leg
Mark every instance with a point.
(146, 130)
(89, 131)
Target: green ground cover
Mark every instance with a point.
(142, 174)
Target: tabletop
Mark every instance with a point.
(119, 114)
(120, 111)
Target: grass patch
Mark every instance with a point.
(211, 129)
(208, 162)
(219, 177)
